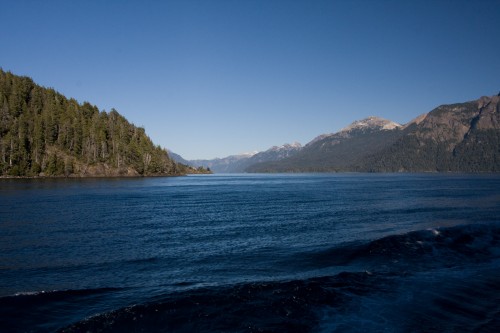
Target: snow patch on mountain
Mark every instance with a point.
(373, 123)
(286, 146)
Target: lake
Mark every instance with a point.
(251, 253)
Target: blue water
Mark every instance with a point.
(251, 253)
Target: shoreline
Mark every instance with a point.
(93, 176)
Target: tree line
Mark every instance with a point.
(43, 133)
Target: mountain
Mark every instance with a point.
(276, 153)
(43, 133)
(338, 151)
(178, 158)
(229, 164)
(462, 137)
(239, 163)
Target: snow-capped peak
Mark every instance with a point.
(286, 146)
(372, 123)
(294, 145)
(249, 154)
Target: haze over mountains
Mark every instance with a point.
(240, 163)
(462, 137)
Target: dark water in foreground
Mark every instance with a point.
(251, 253)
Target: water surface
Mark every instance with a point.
(301, 252)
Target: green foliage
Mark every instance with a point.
(44, 133)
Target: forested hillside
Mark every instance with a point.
(43, 133)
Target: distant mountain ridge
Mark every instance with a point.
(337, 151)
(229, 164)
(247, 162)
(371, 123)
(462, 137)
(239, 163)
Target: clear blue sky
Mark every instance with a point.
(213, 78)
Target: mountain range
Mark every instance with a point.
(462, 137)
(240, 163)
(43, 133)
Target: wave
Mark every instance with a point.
(347, 302)
(278, 306)
(34, 311)
(421, 249)
(33, 296)
(434, 280)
